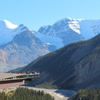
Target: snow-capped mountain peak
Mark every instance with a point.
(10, 25)
(5, 24)
(71, 23)
(68, 30)
(8, 31)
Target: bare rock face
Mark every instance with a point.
(88, 72)
(23, 49)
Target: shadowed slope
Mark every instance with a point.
(74, 66)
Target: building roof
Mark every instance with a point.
(7, 75)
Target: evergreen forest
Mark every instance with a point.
(25, 94)
(87, 94)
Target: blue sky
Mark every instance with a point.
(36, 13)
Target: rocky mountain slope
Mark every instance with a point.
(18, 42)
(68, 30)
(72, 67)
(21, 50)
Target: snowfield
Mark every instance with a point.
(61, 33)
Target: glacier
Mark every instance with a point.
(61, 33)
(68, 30)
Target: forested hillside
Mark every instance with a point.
(87, 94)
(25, 94)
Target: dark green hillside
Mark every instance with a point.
(87, 94)
(74, 66)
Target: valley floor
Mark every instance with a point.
(57, 94)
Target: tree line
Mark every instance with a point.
(87, 94)
(25, 94)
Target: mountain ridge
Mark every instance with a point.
(64, 31)
(52, 37)
(19, 52)
(8, 31)
(73, 67)
(68, 30)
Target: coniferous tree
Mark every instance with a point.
(26, 94)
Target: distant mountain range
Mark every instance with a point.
(68, 30)
(19, 45)
(73, 67)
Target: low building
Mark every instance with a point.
(15, 79)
